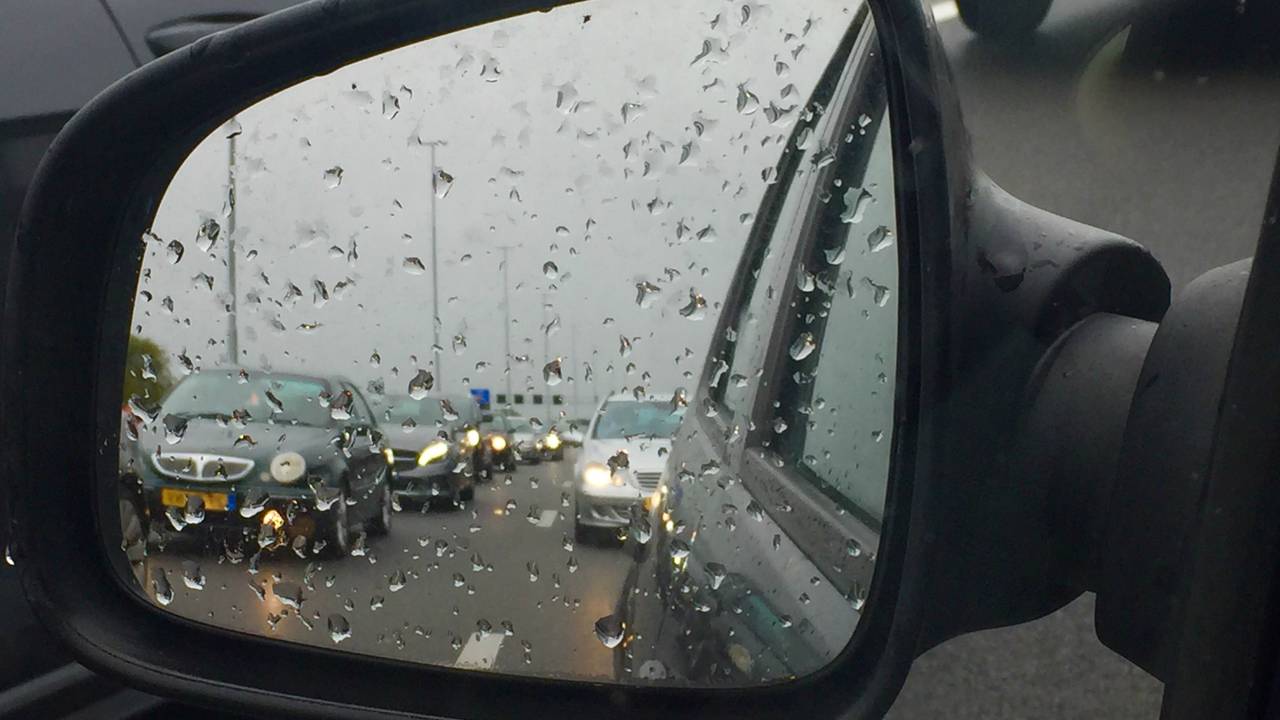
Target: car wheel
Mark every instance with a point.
(381, 523)
(1003, 19)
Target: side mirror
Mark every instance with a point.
(867, 401)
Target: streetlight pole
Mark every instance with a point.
(436, 349)
(506, 318)
(233, 334)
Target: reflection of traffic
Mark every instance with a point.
(260, 458)
(622, 458)
(433, 445)
(678, 567)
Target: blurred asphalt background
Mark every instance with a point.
(1177, 160)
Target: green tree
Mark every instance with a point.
(146, 371)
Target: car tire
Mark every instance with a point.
(380, 524)
(1003, 20)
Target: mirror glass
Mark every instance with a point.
(563, 346)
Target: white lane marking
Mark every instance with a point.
(944, 11)
(548, 517)
(480, 652)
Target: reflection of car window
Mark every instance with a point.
(621, 419)
(217, 393)
(783, 217)
(836, 414)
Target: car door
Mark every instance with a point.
(366, 461)
(775, 463)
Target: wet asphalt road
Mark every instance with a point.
(438, 588)
(1180, 164)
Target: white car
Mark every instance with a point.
(622, 459)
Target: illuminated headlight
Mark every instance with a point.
(273, 518)
(595, 475)
(497, 442)
(288, 467)
(552, 441)
(436, 450)
(389, 455)
(472, 438)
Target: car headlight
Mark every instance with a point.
(389, 455)
(288, 467)
(472, 438)
(436, 450)
(497, 442)
(552, 441)
(596, 475)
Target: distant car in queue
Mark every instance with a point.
(622, 460)
(467, 416)
(429, 455)
(534, 442)
(287, 459)
(499, 446)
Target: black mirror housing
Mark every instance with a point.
(993, 284)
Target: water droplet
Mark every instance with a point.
(192, 576)
(716, 573)
(835, 255)
(161, 588)
(609, 631)
(208, 234)
(747, 102)
(624, 346)
(175, 251)
(779, 425)
(421, 384)
(755, 511)
(459, 344)
(551, 372)
(532, 567)
(646, 293)
(696, 309)
(856, 201)
(802, 347)
(879, 239)
(679, 549)
(333, 177)
(880, 293)
(853, 548)
(339, 628)
(375, 359)
(414, 266)
(252, 502)
(442, 182)
(550, 270)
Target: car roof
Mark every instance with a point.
(271, 375)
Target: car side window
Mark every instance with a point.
(784, 216)
(835, 409)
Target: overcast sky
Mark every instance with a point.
(621, 149)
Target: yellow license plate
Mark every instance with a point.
(178, 498)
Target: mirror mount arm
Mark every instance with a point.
(1033, 293)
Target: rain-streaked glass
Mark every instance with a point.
(427, 355)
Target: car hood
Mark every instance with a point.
(394, 437)
(207, 436)
(643, 454)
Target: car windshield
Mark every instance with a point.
(521, 425)
(424, 412)
(292, 400)
(629, 418)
